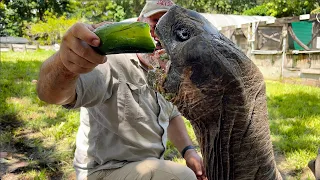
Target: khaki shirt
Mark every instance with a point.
(121, 119)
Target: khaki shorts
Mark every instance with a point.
(154, 169)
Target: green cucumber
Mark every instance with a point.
(124, 37)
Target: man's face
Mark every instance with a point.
(152, 21)
(153, 60)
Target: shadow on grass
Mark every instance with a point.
(299, 104)
(294, 123)
(16, 138)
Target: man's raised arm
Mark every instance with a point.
(59, 73)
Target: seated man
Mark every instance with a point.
(124, 124)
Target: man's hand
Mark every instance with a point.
(59, 73)
(75, 52)
(195, 162)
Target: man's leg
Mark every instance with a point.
(148, 169)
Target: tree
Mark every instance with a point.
(238, 6)
(131, 8)
(92, 11)
(2, 18)
(219, 6)
(18, 12)
(58, 7)
(283, 8)
(115, 12)
(99, 11)
(50, 30)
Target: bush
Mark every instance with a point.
(51, 30)
(316, 11)
(283, 8)
(261, 10)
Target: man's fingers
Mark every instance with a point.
(83, 50)
(204, 177)
(198, 169)
(101, 24)
(80, 61)
(75, 68)
(75, 51)
(73, 62)
(81, 31)
(90, 27)
(204, 174)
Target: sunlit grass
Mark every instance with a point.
(44, 133)
(294, 113)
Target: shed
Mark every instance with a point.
(303, 31)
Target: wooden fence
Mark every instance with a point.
(26, 47)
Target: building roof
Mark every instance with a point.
(224, 20)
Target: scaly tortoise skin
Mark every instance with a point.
(222, 93)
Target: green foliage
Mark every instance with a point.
(218, 6)
(316, 11)
(99, 11)
(223, 7)
(18, 13)
(92, 11)
(115, 12)
(51, 30)
(2, 18)
(238, 6)
(283, 8)
(131, 7)
(294, 113)
(261, 10)
(44, 134)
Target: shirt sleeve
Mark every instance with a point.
(170, 109)
(94, 87)
(175, 112)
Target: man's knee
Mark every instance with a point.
(154, 169)
(186, 173)
(169, 170)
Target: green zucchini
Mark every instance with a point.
(124, 37)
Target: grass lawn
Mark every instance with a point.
(37, 140)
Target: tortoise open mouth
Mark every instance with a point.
(158, 44)
(161, 59)
(160, 67)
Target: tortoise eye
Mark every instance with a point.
(182, 34)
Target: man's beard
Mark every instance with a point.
(157, 63)
(148, 61)
(156, 60)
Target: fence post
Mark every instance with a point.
(284, 47)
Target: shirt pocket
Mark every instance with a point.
(129, 102)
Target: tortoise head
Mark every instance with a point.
(186, 36)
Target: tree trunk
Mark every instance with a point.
(294, 37)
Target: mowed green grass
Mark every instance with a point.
(45, 134)
(294, 113)
(40, 134)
